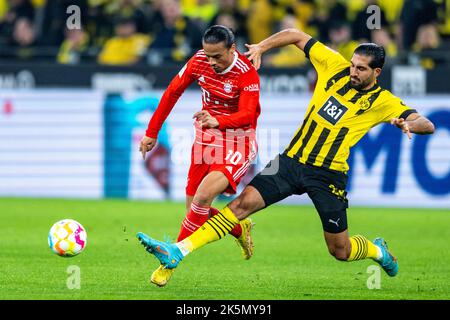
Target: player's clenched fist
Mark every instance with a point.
(146, 145)
(205, 119)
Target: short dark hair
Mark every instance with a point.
(218, 33)
(376, 52)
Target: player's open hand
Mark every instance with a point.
(254, 54)
(146, 145)
(402, 124)
(206, 120)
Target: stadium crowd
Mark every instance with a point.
(128, 32)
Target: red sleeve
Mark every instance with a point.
(171, 95)
(248, 104)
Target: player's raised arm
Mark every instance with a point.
(170, 97)
(414, 123)
(280, 39)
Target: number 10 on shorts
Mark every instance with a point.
(233, 157)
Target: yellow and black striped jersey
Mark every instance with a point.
(338, 116)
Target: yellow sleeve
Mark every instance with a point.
(324, 59)
(394, 107)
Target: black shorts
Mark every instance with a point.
(285, 176)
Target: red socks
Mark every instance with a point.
(193, 220)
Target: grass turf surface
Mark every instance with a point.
(290, 262)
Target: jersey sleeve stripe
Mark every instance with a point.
(406, 113)
(242, 65)
(240, 68)
(308, 46)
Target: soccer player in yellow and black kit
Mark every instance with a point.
(346, 103)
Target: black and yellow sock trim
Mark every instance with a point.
(213, 229)
(220, 224)
(359, 248)
(362, 249)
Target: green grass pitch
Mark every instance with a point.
(290, 261)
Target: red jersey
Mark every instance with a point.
(232, 96)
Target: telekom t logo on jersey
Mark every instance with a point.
(206, 95)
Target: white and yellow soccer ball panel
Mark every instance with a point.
(67, 238)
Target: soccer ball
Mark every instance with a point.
(67, 238)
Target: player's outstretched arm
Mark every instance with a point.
(279, 39)
(168, 100)
(414, 123)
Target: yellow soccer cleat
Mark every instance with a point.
(245, 240)
(161, 276)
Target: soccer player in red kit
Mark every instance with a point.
(225, 139)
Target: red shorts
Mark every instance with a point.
(233, 157)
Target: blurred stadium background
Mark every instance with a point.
(80, 99)
(74, 103)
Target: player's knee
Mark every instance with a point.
(204, 197)
(246, 203)
(241, 207)
(236, 206)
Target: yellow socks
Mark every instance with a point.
(363, 248)
(215, 228)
